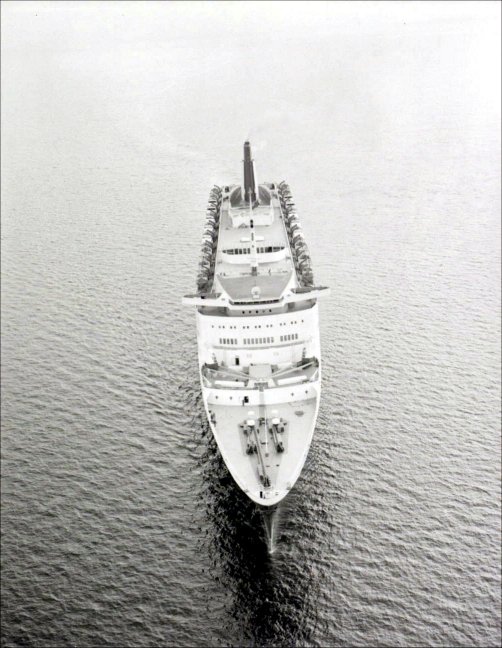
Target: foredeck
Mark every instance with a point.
(282, 467)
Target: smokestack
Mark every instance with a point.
(249, 179)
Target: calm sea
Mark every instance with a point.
(120, 523)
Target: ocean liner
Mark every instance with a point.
(258, 334)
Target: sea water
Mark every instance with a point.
(121, 525)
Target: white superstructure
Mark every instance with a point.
(258, 335)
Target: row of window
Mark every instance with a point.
(231, 397)
(261, 340)
(260, 250)
(256, 325)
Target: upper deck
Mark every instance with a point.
(253, 257)
(253, 252)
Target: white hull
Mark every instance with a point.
(295, 402)
(258, 336)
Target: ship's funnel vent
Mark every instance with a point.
(249, 179)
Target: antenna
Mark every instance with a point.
(254, 255)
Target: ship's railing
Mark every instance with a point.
(217, 376)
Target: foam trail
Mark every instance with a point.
(271, 522)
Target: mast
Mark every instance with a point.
(254, 254)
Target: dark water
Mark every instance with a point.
(120, 524)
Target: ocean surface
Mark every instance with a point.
(120, 523)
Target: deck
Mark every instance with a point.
(236, 278)
(266, 475)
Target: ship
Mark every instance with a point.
(258, 336)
